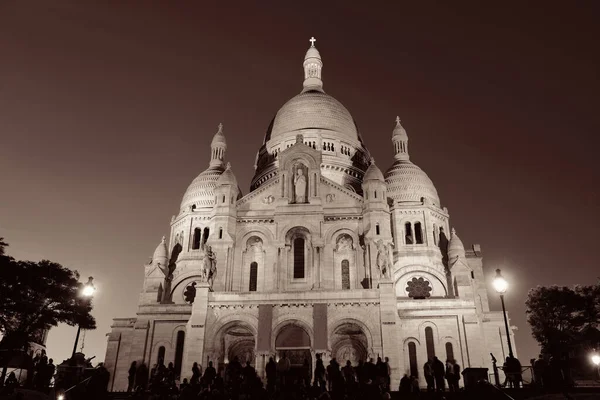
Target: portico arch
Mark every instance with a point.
(349, 342)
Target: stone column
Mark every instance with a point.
(140, 340)
(317, 279)
(112, 355)
(194, 340)
(390, 325)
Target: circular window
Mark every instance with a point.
(418, 288)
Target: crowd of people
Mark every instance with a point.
(236, 381)
(43, 371)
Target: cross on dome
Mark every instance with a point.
(312, 41)
(220, 127)
(397, 120)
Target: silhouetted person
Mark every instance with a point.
(10, 384)
(388, 373)
(195, 374)
(429, 376)
(405, 385)
(439, 370)
(141, 377)
(271, 372)
(283, 369)
(319, 373)
(540, 371)
(452, 375)
(306, 373)
(370, 370)
(49, 373)
(131, 376)
(97, 387)
(349, 377)
(209, 374)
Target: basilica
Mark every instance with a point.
(326, 254)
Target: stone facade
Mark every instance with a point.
(326, 254)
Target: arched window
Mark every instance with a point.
(220, 233)
(160, 358)
(435, 234)
(408, 236)
(345, 274)
(223, 201)
(377, 229)
(253, 276)
(298, 258)
(429, 342)
(179, 352)
(412, 359)
(196, 242)
(449, 351)
(418, 233)
(205, 236)
(375, 193)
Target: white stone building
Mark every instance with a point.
(325, 254)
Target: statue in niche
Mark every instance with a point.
(383, 258)
(344, 242)
(254, 243)
(209, 272)
(299, 186)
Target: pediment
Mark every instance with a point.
(335, 195)
(263, 198)
(154, 271)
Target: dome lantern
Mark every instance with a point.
(217, 148)
(312, 68)
(400, 140)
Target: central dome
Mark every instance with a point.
(313, 109)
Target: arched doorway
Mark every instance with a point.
(293, 342)
(239, 342)
(349, 343)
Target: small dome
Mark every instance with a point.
(219, 138)
(407, 182)
(373, 173)
(399, 131)
(312, 52)
(313, 109)
(455, 246)
(201, 192)
(160, 255)
(227, 177)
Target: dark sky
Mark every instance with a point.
(107, 111)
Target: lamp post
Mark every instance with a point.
(501, 285)
(87, 291)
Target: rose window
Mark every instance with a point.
(418, 288)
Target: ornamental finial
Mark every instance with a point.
(220, 128)
(312, 41)
(163, 239)
(453, 231)
(397, 121)
(372, 160)
(228, 166)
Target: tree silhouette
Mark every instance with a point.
(563, 317)
(36, 296)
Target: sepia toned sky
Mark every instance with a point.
(107, 110)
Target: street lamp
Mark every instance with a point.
(87, 291)
(596, 360)
(501, 285)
